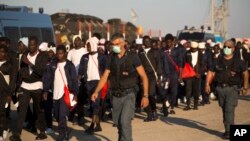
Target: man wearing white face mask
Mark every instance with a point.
(228, 72)
(122, 69)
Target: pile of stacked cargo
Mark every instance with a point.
(66, 25)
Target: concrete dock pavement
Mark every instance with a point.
(203, 125)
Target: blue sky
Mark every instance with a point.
(165, 15)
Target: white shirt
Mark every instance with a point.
(19, 61)
(6, 77)
(92, 70)
(216, 55)
(194, 58)
(32, 60)
(75, 56)
(2, 62)
(241, 55)
(36, 85)
(60, 79)
(147, 49)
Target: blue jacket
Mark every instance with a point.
(70, 72)
(84, 65)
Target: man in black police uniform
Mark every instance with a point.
(122, 68)
(228, 72)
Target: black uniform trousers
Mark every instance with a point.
(205, 96)
(48, 106)
(152, 96)
(24, 101)
(173, 89)
(193, 89)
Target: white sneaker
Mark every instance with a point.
(167, 104)
(5, 134)
(200, 98)
(185, 99)
(179, 101)
(212, 96)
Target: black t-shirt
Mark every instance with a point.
(241, 65)
(229, 71)
(123, 74)
(133, 56)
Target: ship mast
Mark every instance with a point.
(219, 13)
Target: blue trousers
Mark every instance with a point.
(61, 112)
(90, 87)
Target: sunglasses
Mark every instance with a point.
(227, 47)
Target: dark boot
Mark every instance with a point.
(165, 111)
(155, 116)
(41, 136)
(172, 111)
(15, 137)
(90, 130)
(187, 108)
(149, 112)
(196, 104)
(98, 128)
(98, 125)
(149, 118)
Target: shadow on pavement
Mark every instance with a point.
(81, 135)
(77, 134)
(191, 124)
(247, 98)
